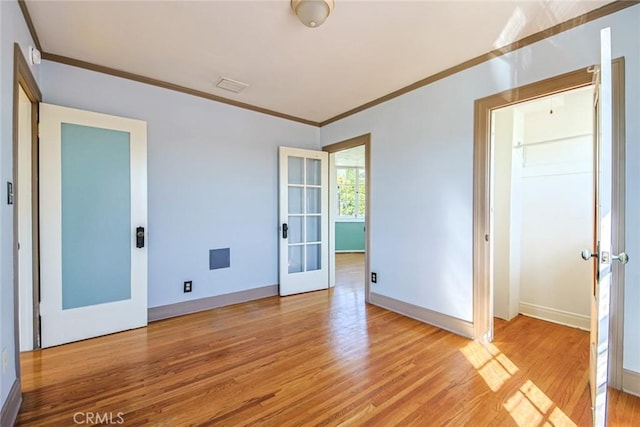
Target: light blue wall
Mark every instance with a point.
(350, 236)
(422, 170)
(212, 176)
(12, 30)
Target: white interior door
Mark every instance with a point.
(93, 214)
(602, 252)
(304, 210)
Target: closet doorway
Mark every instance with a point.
(542, 202)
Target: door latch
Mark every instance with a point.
(140, 237)
(622, 258)
(587, 255)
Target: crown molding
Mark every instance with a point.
(605, 10)
(171, 86)
(29, 22)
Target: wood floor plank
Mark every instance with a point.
(322, 358)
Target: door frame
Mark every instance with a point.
(22, 78)
(334, 148)
(482, 289)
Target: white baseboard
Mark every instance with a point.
(556, 316)
(202, 304)
(11, 407)
(631, 382)
(351, 252)
(443, 321)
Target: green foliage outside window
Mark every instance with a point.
(351, 192)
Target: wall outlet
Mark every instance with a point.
(188, 286)
(5, 360)
(374, 277)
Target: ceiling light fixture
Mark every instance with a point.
(312, 13)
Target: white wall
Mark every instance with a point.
(505, 255)
(557, 224)
(506, 205)
(212, 171)
(557, 211)
(543, 208)
(422, 170)
(12, 30)
(515, 217)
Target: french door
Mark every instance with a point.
(304, 200)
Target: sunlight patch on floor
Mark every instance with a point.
(559, 418)
(494, 367)
(522, 410)
(528, 406)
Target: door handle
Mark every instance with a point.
(622, 258)
(285, 229)
(587, 255)
(140, 237)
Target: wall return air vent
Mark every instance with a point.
(231, 85)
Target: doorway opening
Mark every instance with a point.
(483, 233)
(349, 190)
(24, 212)
(26, 263)
(541, 199)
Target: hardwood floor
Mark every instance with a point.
(322, 358)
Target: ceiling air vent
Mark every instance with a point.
(231, 85)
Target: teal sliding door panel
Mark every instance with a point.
(96, 207)
(349, 236)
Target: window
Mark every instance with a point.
(351, 192)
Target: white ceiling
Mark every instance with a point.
(351, 157)
(365, 49)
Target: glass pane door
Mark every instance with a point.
(304, 214)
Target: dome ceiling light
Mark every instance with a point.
(312, 13)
